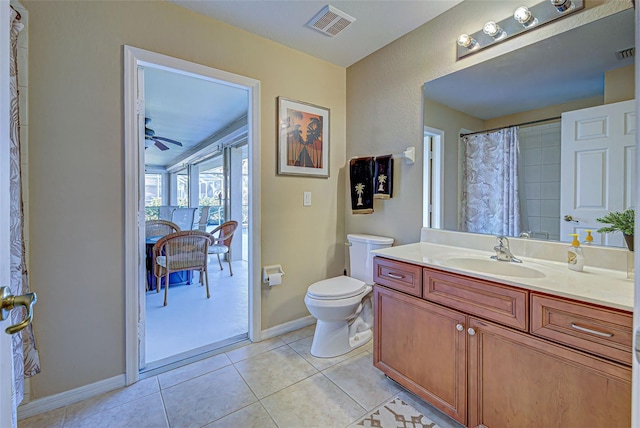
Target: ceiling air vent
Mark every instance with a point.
(330, 21)
(626, 53)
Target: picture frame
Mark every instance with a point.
(303, 139)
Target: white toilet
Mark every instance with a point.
(342, 304)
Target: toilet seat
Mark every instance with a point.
(340, 287)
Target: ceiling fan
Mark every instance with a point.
(150, 135)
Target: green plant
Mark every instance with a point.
(618, 221)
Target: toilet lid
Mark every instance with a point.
(340, 287)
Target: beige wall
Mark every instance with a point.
(384, 99)
(76, 171)
(619, 84)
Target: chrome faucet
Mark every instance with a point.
(503, 253)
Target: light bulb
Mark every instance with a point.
(492, 29)
(562, 5)
(466, 41)
(523, 16)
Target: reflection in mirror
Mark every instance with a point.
(510, 164)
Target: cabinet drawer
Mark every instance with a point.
(400, 276)
(493, 302)
(591, 328)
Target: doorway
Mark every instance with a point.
(198, 167)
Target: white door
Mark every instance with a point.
(5, 340)
(597, 154)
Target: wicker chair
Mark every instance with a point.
(159, 228)
(221, 241)
(179, 251)
(154, 230)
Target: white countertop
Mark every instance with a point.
(604, 287)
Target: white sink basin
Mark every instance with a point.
(494, 267)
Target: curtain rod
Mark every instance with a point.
(517, 124)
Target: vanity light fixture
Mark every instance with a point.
(466, 41)
(492, 29)
(562, 5)
(523, 19)
(524, 16)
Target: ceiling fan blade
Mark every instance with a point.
(169, 140)
(160, 145)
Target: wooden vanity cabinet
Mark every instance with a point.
(484, 368)
(423, 347)
(517, 380)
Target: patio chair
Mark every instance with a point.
(153, 228)
(166, 211)
(184, 217)
(221, 241)
(186, 250)
(204, 218)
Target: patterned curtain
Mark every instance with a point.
(26, 362)
(490, 202)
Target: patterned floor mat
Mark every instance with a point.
(395, 414)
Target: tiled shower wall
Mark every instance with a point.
(540, 179)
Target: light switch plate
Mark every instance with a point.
(306, 199)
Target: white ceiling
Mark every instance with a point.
(187, 109)
(377, 24)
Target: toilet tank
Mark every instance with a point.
(360, 257)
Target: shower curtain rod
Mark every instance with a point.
(517, 124)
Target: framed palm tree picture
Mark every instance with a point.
(303, 139)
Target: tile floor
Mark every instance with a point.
(273, 383)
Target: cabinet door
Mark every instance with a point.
(422, 346)
(516, 380)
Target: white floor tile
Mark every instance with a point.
(253, 416)
(209, 397)
(363, 382)
(313, 402)
(274, 370)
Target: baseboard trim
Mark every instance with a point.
(46, 404)
(288, 327)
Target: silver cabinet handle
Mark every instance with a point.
(459, 327)
(588, 330)
(9, 301)
(637, 344)
(395, 275)
(471, 332)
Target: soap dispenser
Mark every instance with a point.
(575, 258)
(588, 239)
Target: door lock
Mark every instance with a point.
(9, 301)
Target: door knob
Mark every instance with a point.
(571, 219)
(9, 301)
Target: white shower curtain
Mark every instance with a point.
(26, 362)
(490, 202)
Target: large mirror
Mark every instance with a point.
(533, 88)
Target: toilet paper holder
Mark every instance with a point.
(270, 270)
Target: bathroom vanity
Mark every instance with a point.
(495, 344)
